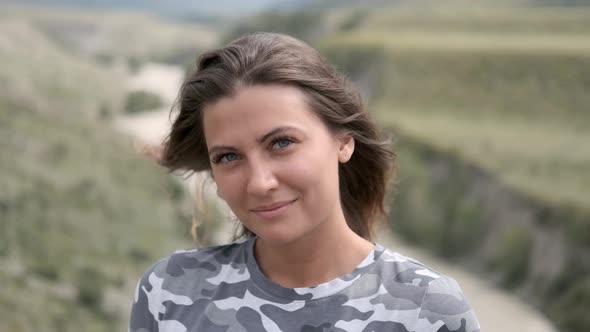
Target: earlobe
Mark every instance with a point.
(346, 149)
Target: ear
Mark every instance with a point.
(345, 148)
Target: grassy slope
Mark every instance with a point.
(38, 74)
(547, 160)
(513, 104)
(81, 214)
(565, 21)
(117, 34)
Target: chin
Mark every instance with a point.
(278, 236)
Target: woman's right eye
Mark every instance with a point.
(225, 158)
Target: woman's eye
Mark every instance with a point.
(282, 143)
(231, 157)
(227, 157)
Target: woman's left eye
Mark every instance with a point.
(282, 143)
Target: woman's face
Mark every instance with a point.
(274, 161)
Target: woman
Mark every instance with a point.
(299, 162)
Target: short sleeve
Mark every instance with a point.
(142, 318)
(445, 308)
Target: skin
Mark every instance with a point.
(276, 165)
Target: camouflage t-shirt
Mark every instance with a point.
(221, 288)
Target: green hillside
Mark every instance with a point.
(111, 36)
(508, 21)
(515, 105)
(37, 74)
(82, 215)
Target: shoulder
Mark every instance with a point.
(175, 272)
(179, 279)
(444, 304)
(439, 299)
(402, 270)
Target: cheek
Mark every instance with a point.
(315, 175)
(229, 187)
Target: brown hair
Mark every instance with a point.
(266, 58)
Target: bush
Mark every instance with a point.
(302, 24)
(46, 270)
(512, 258)
(354, 61)
(139, 101)
(569, 307)
(432, 207)
(134, 64)
(90, 288)
(354, 20)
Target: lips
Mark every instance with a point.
(274, 210)
(273, 206)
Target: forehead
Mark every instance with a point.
(255, 110)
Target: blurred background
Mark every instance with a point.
(487, 103)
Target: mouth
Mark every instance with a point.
(273, 210)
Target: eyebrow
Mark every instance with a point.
(273, 132)
(259, 140)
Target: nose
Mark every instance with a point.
(261, 178)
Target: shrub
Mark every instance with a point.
(90, 287)
(354, 20)
(512, 258)
(569, 307)
(139, 101)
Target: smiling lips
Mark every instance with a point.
(272, 210)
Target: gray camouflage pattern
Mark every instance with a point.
(221, 288)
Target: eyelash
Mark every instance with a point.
(280, 139)
(217, 159)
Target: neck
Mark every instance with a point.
(317, 258)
